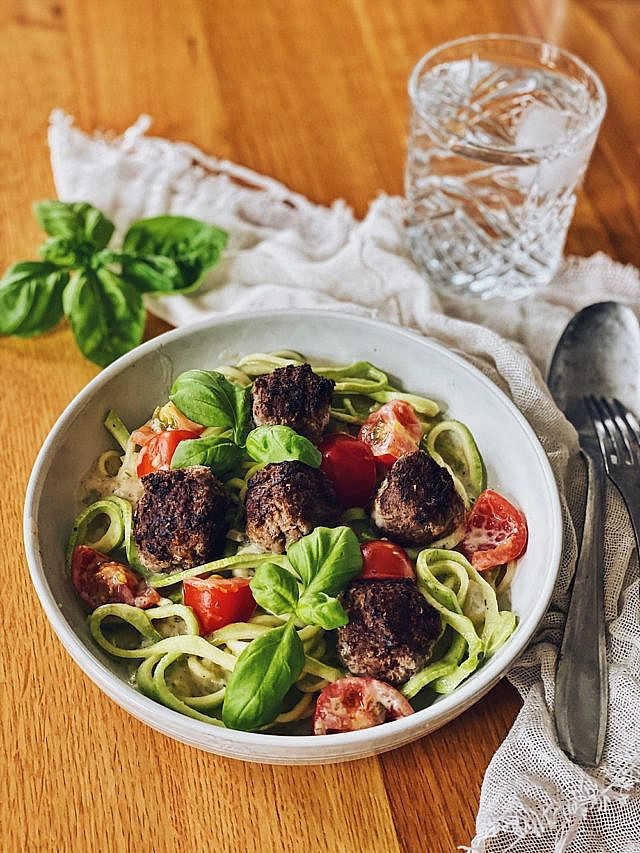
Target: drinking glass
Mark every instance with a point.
(502, 128)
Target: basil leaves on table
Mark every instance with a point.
(322, 564)
(217, 452)
(100, 290)
(208, 398)
(31, 298)
(77, 222)
(277, 443)
(195, 246)
(105, 312)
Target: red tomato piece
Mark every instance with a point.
(392, 431)
(175, 419)
(356, 703)
(350, 466)
(143, 434)
(178, 420)
(157, 453)
(100, 580)
(383, 560)
(496, 532)
(219, 601)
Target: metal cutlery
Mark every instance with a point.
(618, 434)
(599, 355)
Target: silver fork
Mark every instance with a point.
(618, 434)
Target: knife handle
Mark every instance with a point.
(581, 693)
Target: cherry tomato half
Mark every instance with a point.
(350, 466)
(156, 454)
(219, 601)
(384, 560)
(392, 431)
(100, 580)
(496, 532)
(170, 414)
(355, 703)
(143, 434)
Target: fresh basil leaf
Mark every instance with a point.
(321, 609)
(209, 398)
(105, 312)
(263, 675)
(275, 589)
(62, 251)
(194, 246)
(31, 298)
(280, 444)
(152, 273)
(76, 221)
(326, 559)
(220, 454)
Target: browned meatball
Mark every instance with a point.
(285, 501)
(417, 502)
(391, 631)
(295, 397)
(180, 519)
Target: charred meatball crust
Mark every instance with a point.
(296, 397)
(391, 630)
(180, 519)
(417, 502)
(285, 501)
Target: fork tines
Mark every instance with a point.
(617, 430)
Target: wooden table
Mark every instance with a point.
(312, 93)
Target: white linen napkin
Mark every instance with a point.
(285, 251)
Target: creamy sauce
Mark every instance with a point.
(191, 676)
(124, 484)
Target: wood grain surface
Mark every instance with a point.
(313, 93)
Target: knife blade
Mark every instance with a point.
(580, 365)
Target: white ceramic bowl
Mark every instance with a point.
(133, 386)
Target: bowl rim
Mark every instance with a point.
(194, 731)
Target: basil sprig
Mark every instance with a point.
(105, 312)
(208, 398)
(276, 443)
(193, 246)
(31, 298)
(275, 589)
(322, 564)
(326, 560)
(100, 290)
(217, 452)
(263, 675)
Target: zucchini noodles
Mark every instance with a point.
(360, 388)
(453, 447)
(447, 580)
(119, 532)
(212, 659)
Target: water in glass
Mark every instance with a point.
(495, 155)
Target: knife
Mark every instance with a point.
(582, 365)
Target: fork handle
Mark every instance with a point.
(632, 502)
(581, 693)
